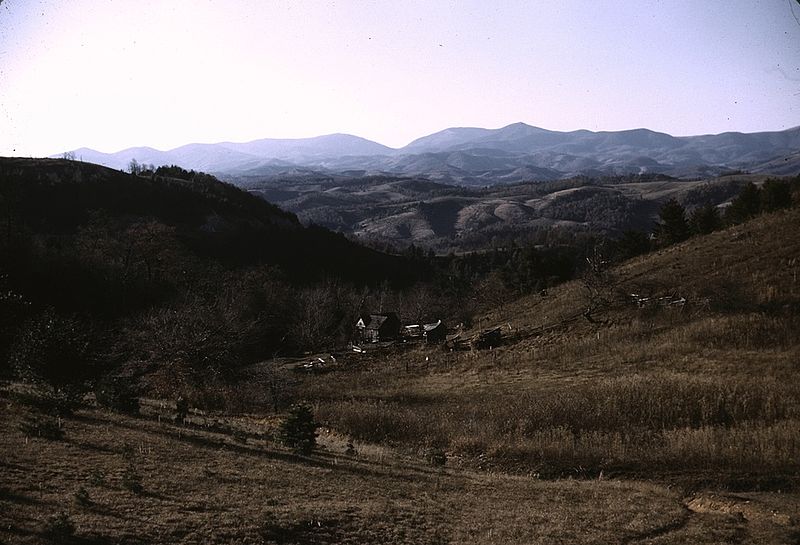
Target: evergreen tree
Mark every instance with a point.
(775, 195)
(673, 227)
(705, 220)
(746, 205)
(299, 430)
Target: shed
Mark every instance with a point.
(373, 328)
(435, 332)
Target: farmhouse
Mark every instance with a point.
(373, 328)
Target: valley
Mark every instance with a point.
(644, 399)
(399, 273)
(402, 211)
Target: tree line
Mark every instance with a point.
(676, 224)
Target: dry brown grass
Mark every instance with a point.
(712, 384)
(202, 487)
(705, 396)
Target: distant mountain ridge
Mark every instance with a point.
(478, 156)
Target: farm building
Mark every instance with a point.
(373, 328)
(435, 332)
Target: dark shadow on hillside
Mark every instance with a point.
(441, 216)
(319, 459)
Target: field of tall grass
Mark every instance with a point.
(709, 385)
(665, 420)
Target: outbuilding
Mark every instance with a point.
(434, 333)
(372, 328)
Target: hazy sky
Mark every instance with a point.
(110, 74)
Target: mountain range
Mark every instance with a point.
(477, 156)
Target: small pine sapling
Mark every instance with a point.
(299, 430)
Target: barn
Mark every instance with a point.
(435, 332)
(372, 328)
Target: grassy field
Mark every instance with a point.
(669, 417)
(700, 378)
(203, 487)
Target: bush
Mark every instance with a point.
(436, 456)
(631, 244)
(118, 394)
(181, 410)
(54, 352)
(131, 480)
(82, 497)
(97, 478)
(299, 430)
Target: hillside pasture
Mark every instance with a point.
(199, 486)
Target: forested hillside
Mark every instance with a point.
(102, 270)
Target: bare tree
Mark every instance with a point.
(134, 167)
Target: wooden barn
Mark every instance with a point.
(372, 328)
(434, 333)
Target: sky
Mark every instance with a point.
(112, 74)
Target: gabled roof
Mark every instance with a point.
(431, 327)
(375, 321)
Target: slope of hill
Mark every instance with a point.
(235, 157)
(124, 259)
(678, 365)
(213, 487)
(331, 145)
(58, 197)
(398, 211)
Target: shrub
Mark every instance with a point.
(131, 480)
(181, 410)
(436, 456)
(54, 351)
(299, 430)
(118, 394)
(82, 497)
(631, 244)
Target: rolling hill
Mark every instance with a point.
(85, 238)
(403, 211)
(479, 157)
